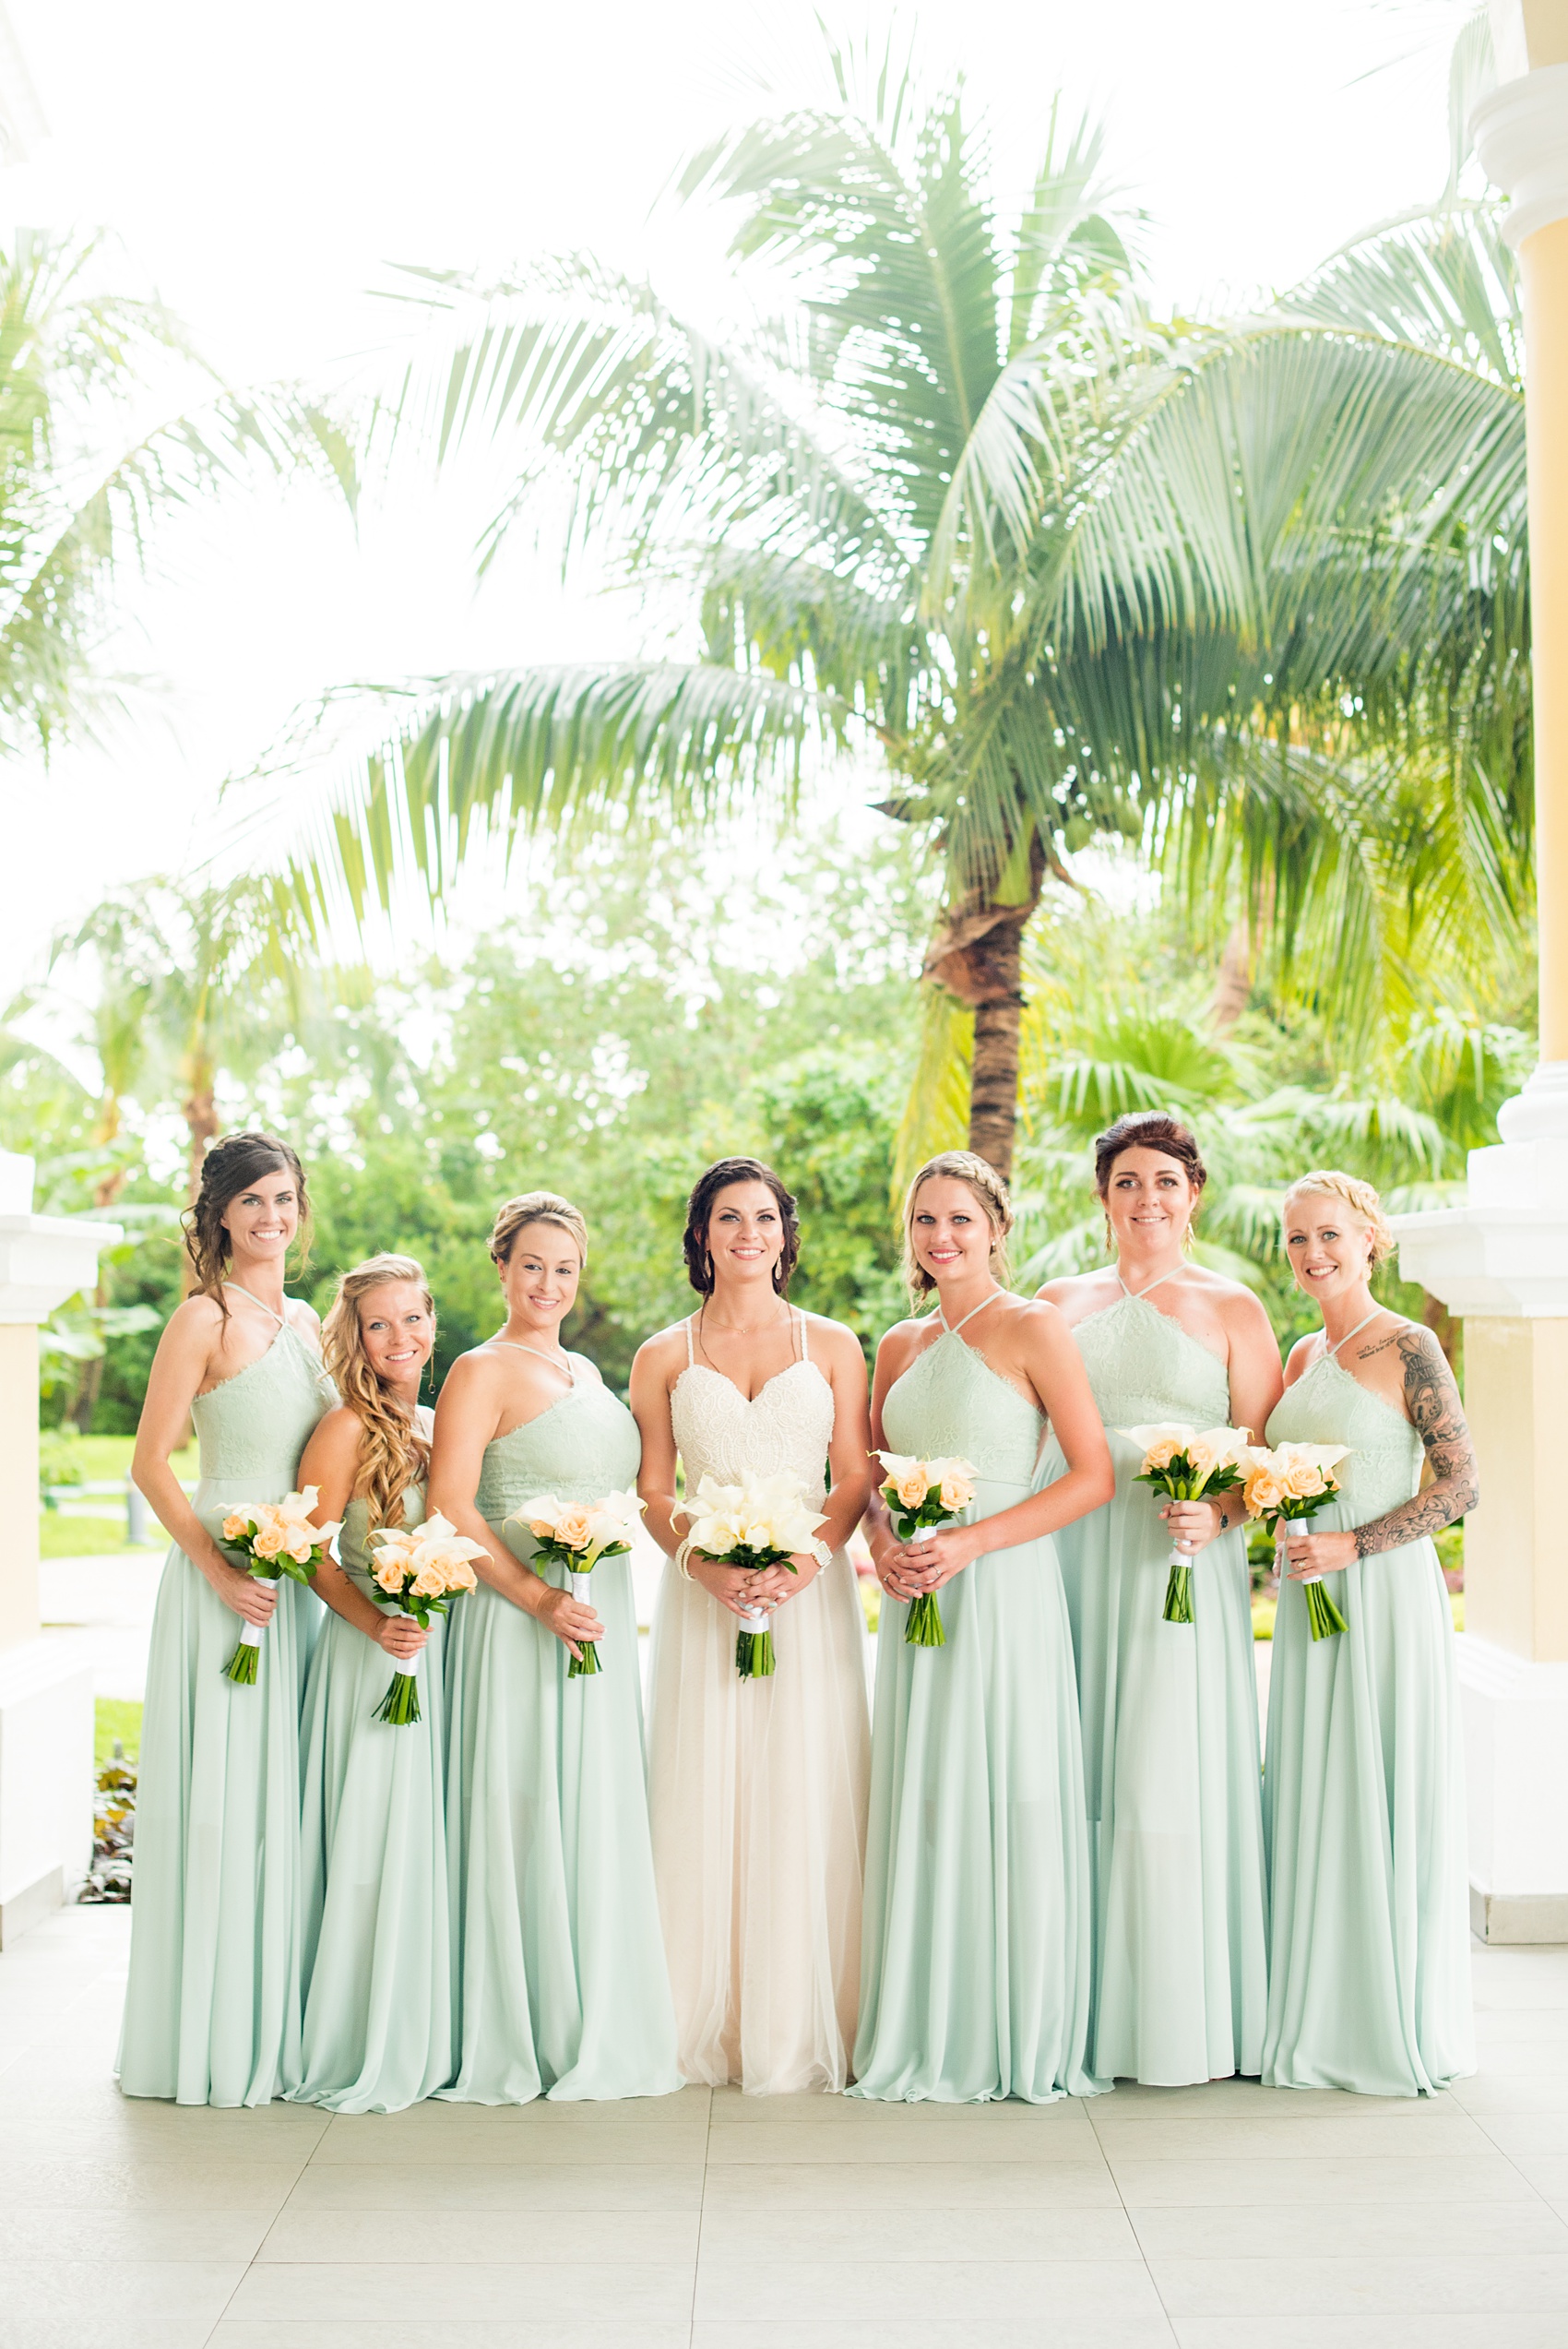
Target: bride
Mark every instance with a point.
(757, 1788)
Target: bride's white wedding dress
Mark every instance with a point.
(758, 1788)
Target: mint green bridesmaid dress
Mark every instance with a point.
(376, 1935)
(975, 1974)
(1364, 1788)
(562, 1987)
(212, 2005)
(1171, 1768)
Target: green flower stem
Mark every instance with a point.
(923, 1628)
(754, 1654)
(401, 1705)
(1178, 1607)
(1322, 1613)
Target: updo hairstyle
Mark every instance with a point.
(1358, 1196)
(229, 1167)
(1147, 1129)
(699, 1215)
(393, 1454)
(536, 1207)
(983, 1179)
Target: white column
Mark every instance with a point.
(45, 1690)
(1502, 1260)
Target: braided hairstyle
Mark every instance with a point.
(960, 1166)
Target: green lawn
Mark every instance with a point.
(115, 1717)
(62, 1536)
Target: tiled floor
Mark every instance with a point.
(1225, 2217)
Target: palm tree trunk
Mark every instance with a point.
(200, 1113)
(978, 956)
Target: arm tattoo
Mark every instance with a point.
(1438, 1417)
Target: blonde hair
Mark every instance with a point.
(983, 1179)
(393, 1454)
(1358, 1196)
(536, 1207)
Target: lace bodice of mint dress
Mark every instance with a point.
(1365, 1787)
(758, 1787)
(212, 2003)
(376, 1945)
(562, 1987)
(1170, 1735)
(975, 1977)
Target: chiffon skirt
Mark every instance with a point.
(376, 1930)
(976, 1978)
(562, 1988)
(1364, 1810)
(212, 2003)
(1173, 1785)
(759, 1796)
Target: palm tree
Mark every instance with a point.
(197, 979)
(844, 494)
(79, 499)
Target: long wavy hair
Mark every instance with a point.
(229, 1167)
(393, 1454)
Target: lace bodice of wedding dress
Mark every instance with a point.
(784, 1429)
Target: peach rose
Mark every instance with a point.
(1263, 1489)
(574, 1527)
(460, 1576)
(388, 1572)
(430, 1583)
(1304, 1479)
(957, 1490)
(236, 1527)
(912, 1487)
(269, 1542)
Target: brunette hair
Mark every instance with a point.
(1147, 1129)
(1357, 1195)
(983, 1179)
(536, 1207)
(700, 1214)
(229, 1167)
(393, 1454)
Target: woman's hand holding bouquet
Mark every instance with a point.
(759, 1523)
(272, 1538)
(921, 1493)
(417, 1569)
(1188, 1464)
(1282, 1486)
(577, 1534)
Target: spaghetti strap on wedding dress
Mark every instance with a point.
(758, 1787)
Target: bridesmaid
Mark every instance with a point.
(1169, 1710)
(976, 1981)
(213, 2006)
(376, 1931)
(1364, 1781)
(562, 1984)
(757, 1788)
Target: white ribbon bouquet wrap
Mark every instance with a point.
(1285, 1485)
(417, 1569)
(577, 1534)
(1188, 1464)
(761, 1521)
(274, 1538)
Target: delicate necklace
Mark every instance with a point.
(741, 1329)
(560, 1361)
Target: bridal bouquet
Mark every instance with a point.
(418, 1567)
(761, 1521)
(577, 1534)
(1188, 1464)
(1282, 1486)
(274, 1538)
(920, 1493)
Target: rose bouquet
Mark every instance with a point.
(1188, 1464)
(920, 1493)
(1282, 1486)
(273, 1538)
(577, 1534)
(762, 1521)
(418, 1567)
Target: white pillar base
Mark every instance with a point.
(46, 1720)
(1515, 1719)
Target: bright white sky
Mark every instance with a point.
(263, 167)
